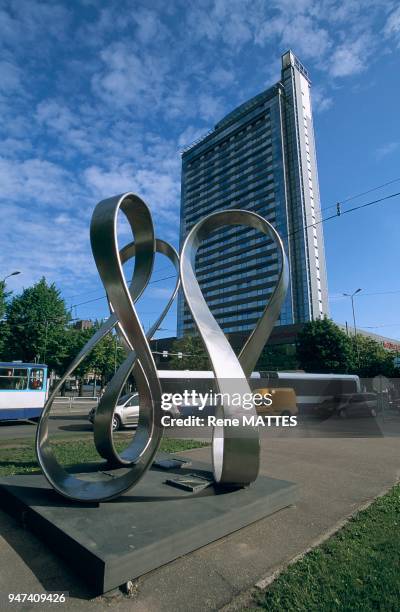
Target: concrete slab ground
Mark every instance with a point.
(336, 476)
(111, 543)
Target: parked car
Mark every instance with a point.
(349, 405)
(126, 412)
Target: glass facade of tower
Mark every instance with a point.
(254, 160)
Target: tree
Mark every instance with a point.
(277, 357)
(323, 347)
(374, 359)
(3, 324)
(3, 297)
(194, 355)
(37, 322)
(103, 359)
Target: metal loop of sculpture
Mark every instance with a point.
(235, 450)
(123, 316)
(102, 425)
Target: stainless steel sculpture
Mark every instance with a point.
(235, 450)
(121, 299)
(104, 414)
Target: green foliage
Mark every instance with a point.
(194, 354)
(3, 298)
(356, 569)
(374, 358)
(323, 347)
(106, 356)
(37, 326)
(277, 357)
(3, 326)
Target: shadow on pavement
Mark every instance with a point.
(52, 572)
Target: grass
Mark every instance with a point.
(357, 569)
(21, 459)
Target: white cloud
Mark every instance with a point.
(129, 78)
(233, 22)
(350, 57)
(210, 107)
(159, 191)
(55, 115)
(221, 76)
(31, 21)
(176, 102)
(236, 32)
(321, 101)
(37, 182)
(386, 149)
(54, 246)
(190, 134)
(392, 26)
(10, 76)
(202, 24)
(308, 39)
(99, 105)
(149, 25)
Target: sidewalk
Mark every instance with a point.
(336, 476)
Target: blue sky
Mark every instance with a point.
(98, 98)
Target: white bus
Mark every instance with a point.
(310, 389)
(23, 390)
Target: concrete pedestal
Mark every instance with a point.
(109, 543)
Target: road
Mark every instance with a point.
(68, 424)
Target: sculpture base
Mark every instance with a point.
(110, 543)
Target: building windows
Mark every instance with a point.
(244, 163)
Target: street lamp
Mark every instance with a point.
(351, 296)
(117, 348)
(8, 275)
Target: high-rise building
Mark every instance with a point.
(260, 157)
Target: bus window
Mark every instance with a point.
(36, 379)
(13, 379)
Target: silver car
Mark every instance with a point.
(126, 412)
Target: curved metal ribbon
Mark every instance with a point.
(235, 450)
(121, 299)
(103, 437)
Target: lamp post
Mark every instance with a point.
(3, 280)
(116, 349)
(351, 296)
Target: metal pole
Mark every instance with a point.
(354, 316)
(355, 332)
(351, 296)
